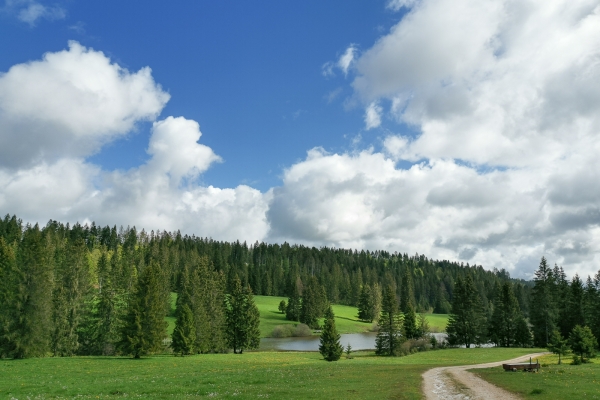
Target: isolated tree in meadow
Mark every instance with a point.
(389, 336)
(466, 324)
(242, 319)
(557, 344)
(145, 327)
(282, 306)
(330, 347)
(582, 341)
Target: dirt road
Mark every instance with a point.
(455, 383)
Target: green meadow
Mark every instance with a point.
(346, 317)
(277, 375)
(553, 381)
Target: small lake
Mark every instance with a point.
(358, 341)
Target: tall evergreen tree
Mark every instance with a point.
(145, 327)
(292, 311)
(543, 313)
(330, 347)
(8, 275)
(184, 335)
(365, 304)
(505, 318)
(389, 336)
(407, 306)
(242, 319)
(313, 303)
(31, 297)
(466, 324)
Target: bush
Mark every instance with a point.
(302, 330)
(289, 330)
(412, 346)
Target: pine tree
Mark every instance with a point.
(145, 327)
(31, 297)
(407, 306)
(330, 347)
(292, 311)
(543, 313)
(313, 303)
(365, 304)
(8, 270)
(184, 335)
(582, 342)
(376, 301)
(242, 318)
(389, 336)
(466, 324)
(505, 318)
(282, 306)
(558, 345)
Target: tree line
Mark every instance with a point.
(68, 290)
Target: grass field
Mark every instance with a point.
(552, 382)
(345, 317)
(249, 375)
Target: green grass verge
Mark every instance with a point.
(553, 381)
(346, 319)
(249, 375)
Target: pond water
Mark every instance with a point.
(358, 341)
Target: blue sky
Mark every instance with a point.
(250, 74)
(461, 129)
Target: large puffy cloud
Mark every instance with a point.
(57, 111)
(504, 96)
(70, 103)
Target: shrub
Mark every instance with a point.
(289, 330)
(302, 330)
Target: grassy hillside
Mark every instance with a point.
(552, 382)
(345, 317)
(249, 375)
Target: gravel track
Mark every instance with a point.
(456, 383)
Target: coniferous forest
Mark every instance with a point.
(89, 290)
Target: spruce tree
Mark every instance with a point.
(8, 274)
(583, 342)
(292, 311)
(389, 336)
(543, 312)
(330, 347)
(466, 324)
(184, 335)
(365, 304)
(31, 297)
(242, 318)
(407, 306)
(558, 345)
(145, 327)
(313, 303)
(505, 318)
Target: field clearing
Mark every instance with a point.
(250, 375)
(554, 381)
(346, 317)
